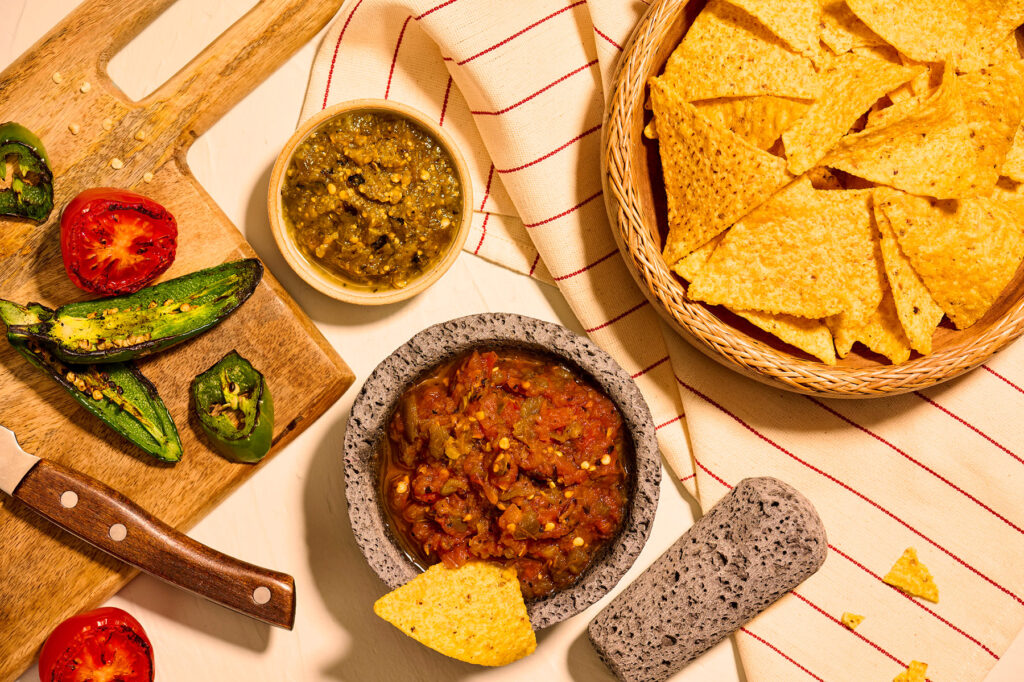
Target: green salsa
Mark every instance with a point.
(372, 198)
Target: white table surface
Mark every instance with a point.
(291, 515)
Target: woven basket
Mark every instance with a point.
(635, 198)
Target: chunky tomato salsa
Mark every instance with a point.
(507, 457)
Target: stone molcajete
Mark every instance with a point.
(374, 405)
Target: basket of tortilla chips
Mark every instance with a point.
(826, 195)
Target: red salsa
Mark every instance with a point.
(507, 457)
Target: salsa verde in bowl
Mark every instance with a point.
(538, 453)
(370, 202)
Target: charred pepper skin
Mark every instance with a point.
(155, 318)
(31, 192)
(235, 408)
(117, 393)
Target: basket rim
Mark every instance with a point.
(697, 323)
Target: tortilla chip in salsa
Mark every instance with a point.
(474, 613)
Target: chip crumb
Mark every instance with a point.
(148, 177)
(74, 128)
(57, 77)
(85, 87)
(116, 163)
(911, 576)
(852, 620)
(915, 672)
(108, 124)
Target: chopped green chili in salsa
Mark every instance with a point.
(372, 198)
(507, 457)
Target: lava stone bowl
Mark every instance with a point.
(435, 345)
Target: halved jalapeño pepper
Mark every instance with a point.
(150, 320)
(117, 392)
(235, 408)
(26, 182)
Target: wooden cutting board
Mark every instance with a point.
(45, 574)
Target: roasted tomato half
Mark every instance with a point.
(105, 645)
(116, 242)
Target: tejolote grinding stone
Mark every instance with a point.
(759, 542)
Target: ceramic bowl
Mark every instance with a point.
(435, 345)
(316, 275)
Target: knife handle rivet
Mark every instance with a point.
(261, 595)
(118, 532)
(68, 499)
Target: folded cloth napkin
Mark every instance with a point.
(521, 86)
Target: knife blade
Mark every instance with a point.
(114, 524)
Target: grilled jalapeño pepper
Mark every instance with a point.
(28, 192)
(117, 392)
(235, 408)
(150, 320)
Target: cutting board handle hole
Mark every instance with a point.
(160, 50)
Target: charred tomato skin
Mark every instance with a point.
(116, 242)
(107, 643)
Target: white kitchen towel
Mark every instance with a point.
(521, 86)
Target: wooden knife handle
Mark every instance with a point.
(107, 519)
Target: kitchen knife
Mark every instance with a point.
(110, 521)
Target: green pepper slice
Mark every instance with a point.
(233, 403)
(150, 320)
(28, 192)
(117, 393)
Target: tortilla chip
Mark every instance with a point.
(851, 84)
(918, 312)
(965, 252)
(810, 336)
(795, 21)
(864, 296)
(994, 106)
(885, 53)
(928, 31)
(915, 672)
(758, 120)
(712, 177)
(929, 151)
(1013, 166)
(852, 620)
(842, 31)
(805, 253)
(823, 178)
(1006, 50)
(692, 264)
(728, 53)
(909, 575)
(883, 333)
(474, 613)
(988, 38)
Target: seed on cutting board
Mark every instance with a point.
(108, 124)
(86, 86)
(57, 77)
(74, 128)
(116, 163)
(148, 177)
